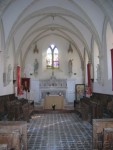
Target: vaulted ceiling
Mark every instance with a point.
(25, 22)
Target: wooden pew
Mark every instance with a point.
(96, 110)
(19, 109)
(1, 108)
(14, 110)
(100, 132)
(10, 137)
(3, 147)
(108, 138)
(20, 126)
(83, 109)
(27, 109)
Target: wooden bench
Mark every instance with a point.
(3, 147)
(20, 126)
(27, 109)
(100, 132)
(108, 138)
(11, 137)
(83, 109)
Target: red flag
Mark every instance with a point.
(89, 90)
(18, 81)
(112, 66)
(88, 75)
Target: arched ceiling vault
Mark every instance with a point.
(15, 29)
(54, 27)
(107, 8)
(69, 16)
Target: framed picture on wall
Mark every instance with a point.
(80, 91)
(25, 82)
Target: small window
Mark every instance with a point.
(52, 57)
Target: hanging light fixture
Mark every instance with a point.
(35, 50)
(70, 49)
(52, 24)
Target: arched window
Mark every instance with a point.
(52, 57)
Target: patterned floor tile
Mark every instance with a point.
(57, 131)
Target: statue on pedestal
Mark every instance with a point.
(98, 72)
(36, 66)
(70, 64)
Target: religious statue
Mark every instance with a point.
(98, 73)
(70, 64)
(9, 73)
(36, 66)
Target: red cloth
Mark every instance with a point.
(112, 66)
(89, 90)
(88, 75)
(18, 81)
(25, 84)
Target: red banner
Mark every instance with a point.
(88, 89)
(88, 75)
(18, 81)
(25, 84)
(112, 66)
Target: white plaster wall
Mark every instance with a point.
(61, 73)
(94, 13)
(109, 43)
(9, 88)
(10, 16)
(70, 94)
(34, 90)
(96, 59)
(106, 88)
(64, 57)
(83, 29)
(1, 73)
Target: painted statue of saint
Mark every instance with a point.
(36, 66)
(98, 72)
(9, 73)
(70, 64)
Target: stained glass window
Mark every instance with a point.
(52, 57)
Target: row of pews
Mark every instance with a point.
(95, 107)
(3, 104)
(98, 110)
(20, 109)
(13, 129)
(16, 109)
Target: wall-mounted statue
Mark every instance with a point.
(98, 73)
(70, 65)
(36, 65)
(9, 74)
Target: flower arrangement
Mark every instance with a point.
(53, 106)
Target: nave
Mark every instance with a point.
(59, 131)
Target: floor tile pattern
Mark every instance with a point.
(59, 131)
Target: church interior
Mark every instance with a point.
(56, 78)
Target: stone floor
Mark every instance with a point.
(59, 131)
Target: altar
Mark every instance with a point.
(53, 86)
(56, 100)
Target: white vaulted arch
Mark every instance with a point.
(16, 27)
(85, 25)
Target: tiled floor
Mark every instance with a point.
(59, 131)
